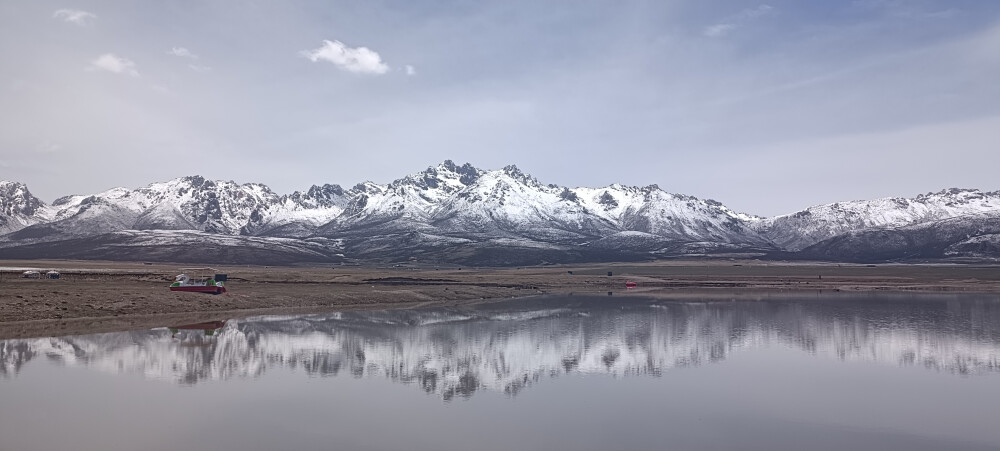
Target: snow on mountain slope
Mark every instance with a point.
(435, 211)
(408, 202)
(317, 206)
(510, 201)
(687, 218)
(949, 237)
(193, 203)
(675, 216)
(799, 230)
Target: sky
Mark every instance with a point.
(767, 107)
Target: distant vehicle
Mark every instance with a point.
(200, 284)
(32, 275)
(630, 284)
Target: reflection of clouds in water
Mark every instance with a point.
(457, 352)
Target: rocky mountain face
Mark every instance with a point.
(462, 214)
(18, 207)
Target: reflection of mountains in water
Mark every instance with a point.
(506, 347)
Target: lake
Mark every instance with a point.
(810, 371)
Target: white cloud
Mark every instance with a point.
(753, 13)
(360, 60)
(732, 22)
(182, 52)
(74, 16)
(115, 64)
(48, 147)
(410, 70)
(718, 30)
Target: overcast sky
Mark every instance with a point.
(766, 107)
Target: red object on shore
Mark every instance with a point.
(630, 284)
(206, 284)
(200, 289)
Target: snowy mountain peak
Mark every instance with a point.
(19, 208)
(513, 172)
(367, 188)
(15, 199)
(320, 195)
(799, 230)
(441, 180)
(467, 173)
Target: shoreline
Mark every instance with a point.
(93, 297)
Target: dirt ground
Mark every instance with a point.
(107, 296)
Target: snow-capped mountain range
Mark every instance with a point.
(462, 213)
(459, 352)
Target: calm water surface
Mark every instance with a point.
(584, 373)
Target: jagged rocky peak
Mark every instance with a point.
(15, 199)
(368, 188)
(320, 195)
(468, 173)
(197, 183)
(446, 177)
(194, 180)
(325, 192)
(515, 173)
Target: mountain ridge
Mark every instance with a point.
(448, 210)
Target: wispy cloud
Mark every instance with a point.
(718, 30)
(182, 52)
(360, 60)
(753, 13)
(115, 64)
(75, 16)
(47, 147)
(730, 23)
(410, 70)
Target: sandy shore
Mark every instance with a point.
(106, 296)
